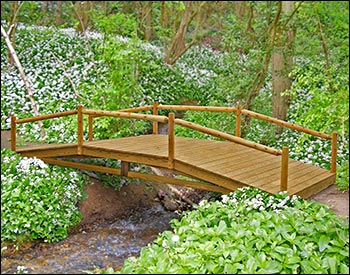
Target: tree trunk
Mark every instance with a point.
(282, 64)
(24, 78)
(12, 31)
(260, 77)
(164, 15)
(240, 9)
(82, 9)
(146, 19)
(178, 44)
(59, 13)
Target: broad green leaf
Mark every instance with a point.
(272, 267)
(323, 242)
(221, 227)
(344, 269)
(331, 263)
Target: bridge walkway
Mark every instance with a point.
(219, 166)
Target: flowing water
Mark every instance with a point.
(104, 245)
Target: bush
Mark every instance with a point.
(251, 232)
(37, 201)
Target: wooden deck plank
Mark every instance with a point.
(236, 162)
(145, 145)
(268, 178)
(307, 179)
(216, 158)
(252, 169)
(311, 181)
(322, 184)
(203, 174)
(219, 150)
(132, 144)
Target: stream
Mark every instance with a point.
(107, 244)
(104, 245)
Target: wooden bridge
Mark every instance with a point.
(213, 165)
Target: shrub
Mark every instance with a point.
(37, 201)
(251, 232)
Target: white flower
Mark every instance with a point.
(175, 238)
(224, 198)
(21, 268)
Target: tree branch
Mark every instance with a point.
(24, 78)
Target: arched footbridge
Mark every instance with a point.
(220, 165)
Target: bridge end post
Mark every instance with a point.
(284, 169)
(90, 127)
(13, 133)
(238, 120)
(334, 152)
(155, 123)
(80, 129)
(171, 140)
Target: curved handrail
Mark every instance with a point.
(285, 124)
(125, 115)
(43, 117)
(229, 137)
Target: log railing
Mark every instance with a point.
(132, 113)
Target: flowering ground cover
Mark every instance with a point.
(37, 201)
(249, 231)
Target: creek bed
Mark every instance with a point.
(104, 245)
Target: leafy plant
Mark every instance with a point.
(249, 231)
(37, 201)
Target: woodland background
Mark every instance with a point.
(286, 59)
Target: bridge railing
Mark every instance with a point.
(237, 138)
(239, 111)
(132, 113)
(15, 121)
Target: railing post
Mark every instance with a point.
(80, 129)
(334, 152)
(171, 140)
(155, 123)
(13, 133)
(90, 127)
(284, 169)
(238, 120)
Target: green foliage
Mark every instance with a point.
(37, 201)
(249, 231)
(225, 122)
(312, 101)
(55, 64)
(115, 24)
